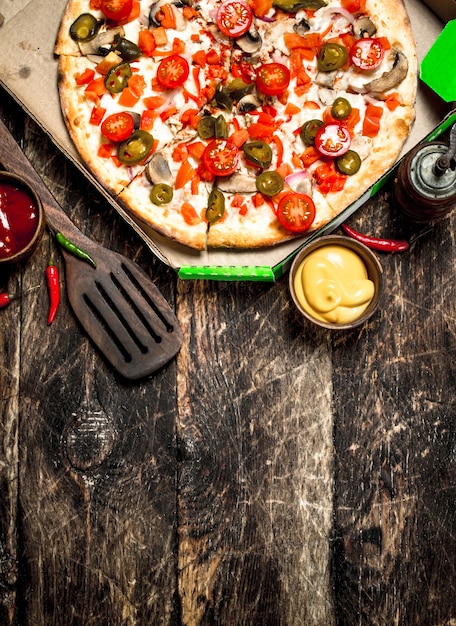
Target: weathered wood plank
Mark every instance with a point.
(395, 473)
(9, 404)
(96, 517)
(255, 481)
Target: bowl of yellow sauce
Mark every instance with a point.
(336, 282)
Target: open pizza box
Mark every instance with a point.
(28, 71)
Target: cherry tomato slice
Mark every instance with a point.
(272, 78)
(118, 126)
(173, 71)
(116, 10)
(234, 18)
(332, 139)
(221, 157)
(367, 53)
(296, 212)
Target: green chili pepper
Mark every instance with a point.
(331, 57)
(221, 127)
(161, 193)
(206, 127)
(237, 89)
(84, 28)
(136, 148)
(258, 152)
(348, 163)
(222, 98)
(341, 108)
(309, 130)
(117, 77)
(73, 248)
(215, 206)
(293, 6)
(269, 183)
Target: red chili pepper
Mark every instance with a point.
(377, 243)
(5, 299)
(52, 279)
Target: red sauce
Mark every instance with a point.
(18, 219)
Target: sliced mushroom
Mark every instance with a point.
(248, 103)
(157, 170)
(100, 45)
(390, 79)
(326, 79)
(326, 95)
(362, 145)
(304, 186)
(364, 27)
(301, 27)
(237, 183)
(251, 42)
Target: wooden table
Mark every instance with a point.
(274, 473)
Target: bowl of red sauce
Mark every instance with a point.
(336, 282)
(22, 218)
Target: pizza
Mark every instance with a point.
(236, 123)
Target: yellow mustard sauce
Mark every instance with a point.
(331, 284)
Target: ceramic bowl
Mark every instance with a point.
(32, 239)
(374, 273)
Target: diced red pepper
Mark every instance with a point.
(371, 122)
(148, 118)
(95, 89)
(97, 115)
(189, 214)
(146, 42)
(199, 58)
(328, 178)
(86, 76)
(105, 150)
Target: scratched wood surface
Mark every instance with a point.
(272, 474)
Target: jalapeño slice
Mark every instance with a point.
(331, 57)
(258, 153)
(221, 127)
(161, 193)
(215, 206)
(206, 127)
(269, 183)
(309, 130)
(349, 163)
(293, 6)
(117, 77)
(84, 28)
(136, 148)
(341, 108)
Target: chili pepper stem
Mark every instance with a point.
(6, 298)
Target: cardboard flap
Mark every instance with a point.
(437, 67)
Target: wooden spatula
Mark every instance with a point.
(118, 305)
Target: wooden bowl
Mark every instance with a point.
(30, 239)
(374, 273)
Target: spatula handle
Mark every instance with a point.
(14, 161)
